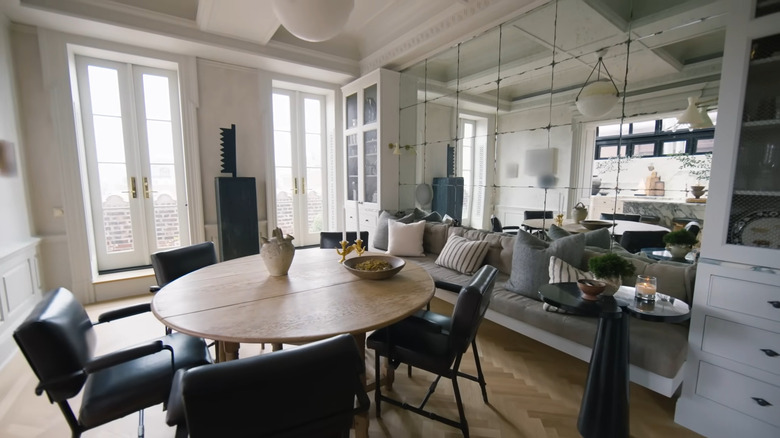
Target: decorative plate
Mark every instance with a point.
(759, 228)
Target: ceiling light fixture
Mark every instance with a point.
(600, 96)
(313, 20)
(693, 117)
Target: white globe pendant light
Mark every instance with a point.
(313, 20)
(598, 97)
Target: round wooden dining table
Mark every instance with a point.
(239, 302)
(571, 226)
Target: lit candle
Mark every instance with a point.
(646, 287)
(344, 232)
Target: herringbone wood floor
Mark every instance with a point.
(534, 391)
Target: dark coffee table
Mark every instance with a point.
(604, 408)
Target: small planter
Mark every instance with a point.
(679, 251)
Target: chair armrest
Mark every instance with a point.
(124, 312)
(44, 386)
(154, 289)
(452, 287)
(122, 356)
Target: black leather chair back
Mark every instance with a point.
(634, 241)
(621, 217)
(495, 224)
(172, 264)
(303, 392)
(694, 227)
(470, 308)
(538, 214)
(57, 339)
(332, 239)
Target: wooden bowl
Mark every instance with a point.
(591, 288)
(396, 264)
(595, 224)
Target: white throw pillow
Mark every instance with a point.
(463, 255)
(405, 239)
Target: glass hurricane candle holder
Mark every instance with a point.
(645, 288)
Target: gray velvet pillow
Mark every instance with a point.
(433, 216)
(531, 261)
(601, 238)
(380, 235)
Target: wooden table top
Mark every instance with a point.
(569, 225)
(238, 301)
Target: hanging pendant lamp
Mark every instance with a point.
(313, 20)
(600, 96)
(693, 117)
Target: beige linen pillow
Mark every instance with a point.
(405, 239)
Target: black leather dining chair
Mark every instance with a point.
(171, 264)
(497, 227)
(621, 217)
(58, 340)
(634, 241)
(309, 391)
(332, 239)
(436, 343)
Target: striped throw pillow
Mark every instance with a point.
(562, 272)
(463, 255)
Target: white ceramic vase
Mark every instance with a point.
(277, 253)
(678, 251)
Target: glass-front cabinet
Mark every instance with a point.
(743, 224)
(731, 383)
(371, 125)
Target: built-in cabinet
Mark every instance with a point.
(732, 375)
(371, 125)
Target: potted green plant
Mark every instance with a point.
(679, 243)
(611, 268)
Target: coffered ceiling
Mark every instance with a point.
(675, 40)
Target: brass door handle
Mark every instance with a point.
(131, 188)
(146, 188)
(295, 186)
(303, 185)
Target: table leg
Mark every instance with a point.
(227, 351)
(361, 420)
(604, 409)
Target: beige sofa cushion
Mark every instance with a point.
(500, 250)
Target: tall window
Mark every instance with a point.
(472, 166)
(466, 166)
(299, 151)
(133, 147)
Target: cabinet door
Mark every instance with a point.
(744, 224)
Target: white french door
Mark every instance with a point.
(299, 152)
(134, 161)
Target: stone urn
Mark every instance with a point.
(277, 253)
(579, 212)
(698, 191)
(679, 251)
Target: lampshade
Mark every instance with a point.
(693, 117)
(597, 98)
(313, 20)
(600, 96)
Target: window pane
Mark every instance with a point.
(156, 102)
(114, 196)
(643, 127)
(166, 213)
(104, 91)
(282, 149)
(713, 116)
(314, 199)
(611, 151)
(311, 109)
(313, 150)
(704, 145)
(281, 110)
(667, 124)
(109, 139)
(468, 130)
(674, 147)
(611, 130)
(159, 134)
(644, 150)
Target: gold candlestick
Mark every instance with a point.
(346, 248)
(359, 247)
(559, 220)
